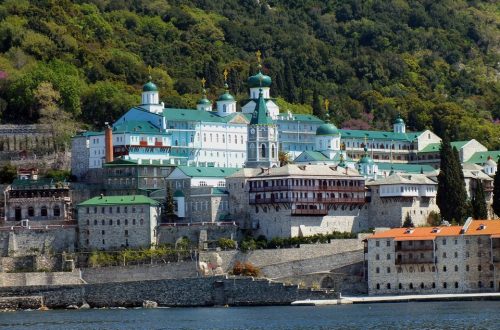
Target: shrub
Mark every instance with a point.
(226, 243)
(245, 269)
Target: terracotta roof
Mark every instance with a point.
(476, 227)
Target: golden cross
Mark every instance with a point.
(203, 81)
(258, 54)
(225, 74)
(327, 103)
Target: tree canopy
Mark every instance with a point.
(431, 61)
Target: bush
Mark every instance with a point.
(245, 269)
(226, 243)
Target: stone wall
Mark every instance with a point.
(170, 233)
(140, 272)
(40, 278)
(23, 241)
(262, 258)
(182, 292)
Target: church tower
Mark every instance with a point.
(150, 98)
(399, 125)
(262, 144)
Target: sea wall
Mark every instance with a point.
(206, 291)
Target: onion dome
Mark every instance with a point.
(149, 86)
(366, 159)
(204, 100)
(259, 80)
(226, 96)
(399, 120)
(327, 129)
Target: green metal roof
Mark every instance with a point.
(119, 200)
(205, 172)
(175, 114)
(226, 97)
(435, 147)
(379, 135)
(204, 101)
(301, 117)
(178, 193)
(407, 168)
(33, 184)
(313, 155)
(219, 191)
(327, 129)
(365, 160)
(259, 80)
(134, 126)
(481, 157)
(399, 120)
(149, 87)
(90, 133)
(260, 115)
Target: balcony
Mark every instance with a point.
(415, 261)
(305, 212)
(354, 200)
(309, 188)
(415, 248)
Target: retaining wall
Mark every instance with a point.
(181, 292)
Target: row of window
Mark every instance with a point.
(306, 183)
(113, 209)
(118, 222)
(56, 211)
(433, 285)
(443, 242)
(433, 269)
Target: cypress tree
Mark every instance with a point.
(451, 195)
(168, 210)
(496, 192)
(408, 221)
(291, 95)
(479, 210)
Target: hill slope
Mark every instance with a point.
(436, 63)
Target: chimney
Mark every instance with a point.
(108, 143)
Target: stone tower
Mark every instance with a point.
(262, 144)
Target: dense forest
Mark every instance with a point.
(437, 63)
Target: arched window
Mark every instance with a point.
(57, 211)
(43, 211)
(31, 211)
(263, 150)
(224, 108)
(273, 151)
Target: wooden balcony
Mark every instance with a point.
(309, 188)
(354, 200)
(415, 261)
(306, 212)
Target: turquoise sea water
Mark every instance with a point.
(415, 315)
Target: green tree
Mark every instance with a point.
(496, 191)
(317, 108)
(8, 173)
(284, 158)
(169, 207)
(61, 125)
(479, 210)
(408, 221)
(451, 195)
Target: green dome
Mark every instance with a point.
(255, 81)
(399, 120)
(366, 160)
(327, 129)
(226, 97)
(149, 87)
(204, 101)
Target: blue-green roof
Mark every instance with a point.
(205, 172)
(435, 147)
(204, 101)
(406, 168)
(119, 200)
(226, 97)
(259, 80)
(134, 126)
(301, 117)
(481, 157)
(149, 87)
(260, 115)
(399, 120)
(34, 184)
(327, 129)
(219, 191)
(178, 193)
(379, 135)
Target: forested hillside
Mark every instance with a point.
(435, 62)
